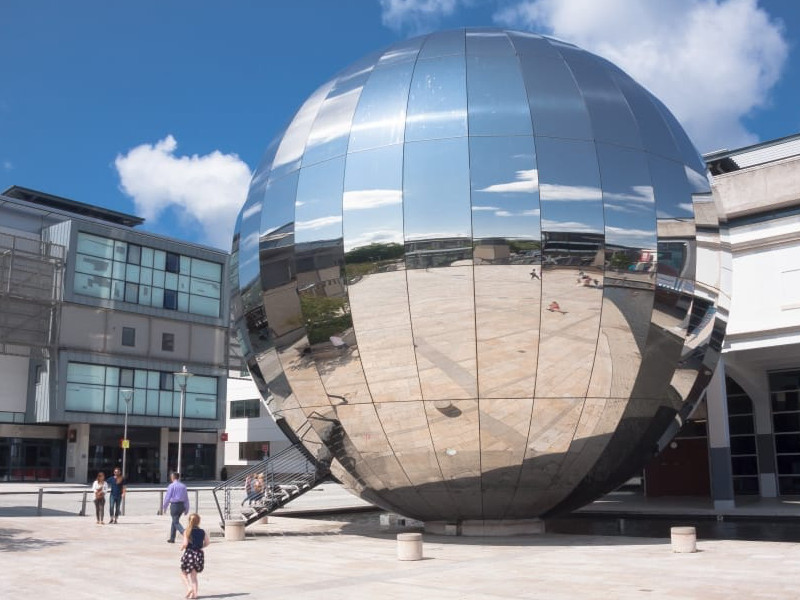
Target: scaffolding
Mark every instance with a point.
(31, 273)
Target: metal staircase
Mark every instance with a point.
(268, 485)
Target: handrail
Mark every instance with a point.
(84, 491)
(286, 475)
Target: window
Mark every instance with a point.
(741, 427)
(245, 409)
(99, 389)
(128, 336)
(134, 254)
(253, 450)
(132, 293)
(171, 299)
(168, 342)
(165, 381)
(133, 273)
(173, 264)
(784, 387)
(125, 377)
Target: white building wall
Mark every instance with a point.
(766, 289)
(262, 429)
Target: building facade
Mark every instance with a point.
(745, 440)
(97, 317)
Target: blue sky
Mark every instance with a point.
(163, 108)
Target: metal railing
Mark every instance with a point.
(268, 485)
(146, 500)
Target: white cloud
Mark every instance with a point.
(569, 193)
(417, 15)
(7, 165)
(366, 199)
(712, 62)
(208, 190)
(639, 195)
(569, 226)
(527, 181)
(318, 223)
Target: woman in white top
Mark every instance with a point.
(100, 489)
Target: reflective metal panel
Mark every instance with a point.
(572, 256)
(556, 103)
(553, 422)
(494, 284)
(497, 99)
(436, 203)
(507, 255)
(380, 118)
(612, 120)
(330, 133)
(454, 427)
(443, 325)
(437, 103)
(406, 428)
(504, 427)
(655, 134)
(293, 142)
(443, 44)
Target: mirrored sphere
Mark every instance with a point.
(479, 274)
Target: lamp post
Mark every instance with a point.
(126, 395)
(182, 376)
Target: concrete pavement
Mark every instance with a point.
(348, 555)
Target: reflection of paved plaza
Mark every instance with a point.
(504, 342)
(553, 385)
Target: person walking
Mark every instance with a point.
(100, 489)
(117, 485)
(177, 500)
(193, 557)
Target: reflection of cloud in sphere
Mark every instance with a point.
(417, 223)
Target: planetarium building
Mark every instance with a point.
(479, 274)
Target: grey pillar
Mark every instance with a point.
(719, 441)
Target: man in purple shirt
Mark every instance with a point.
(177, 499)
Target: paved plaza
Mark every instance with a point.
(346, 553)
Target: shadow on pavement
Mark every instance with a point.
(14, 540)
(30, 511)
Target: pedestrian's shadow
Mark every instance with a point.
(232, 595)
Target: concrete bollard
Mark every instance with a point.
(234, 530)
(684, 539)
(409, 546)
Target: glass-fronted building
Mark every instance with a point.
(114, 313)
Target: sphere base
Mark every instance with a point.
(490, 528)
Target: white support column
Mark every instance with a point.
(77, 459)
(719, 441)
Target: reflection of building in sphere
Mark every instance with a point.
(407, 265)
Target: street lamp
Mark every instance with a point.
(126, 395)
(182, 376)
